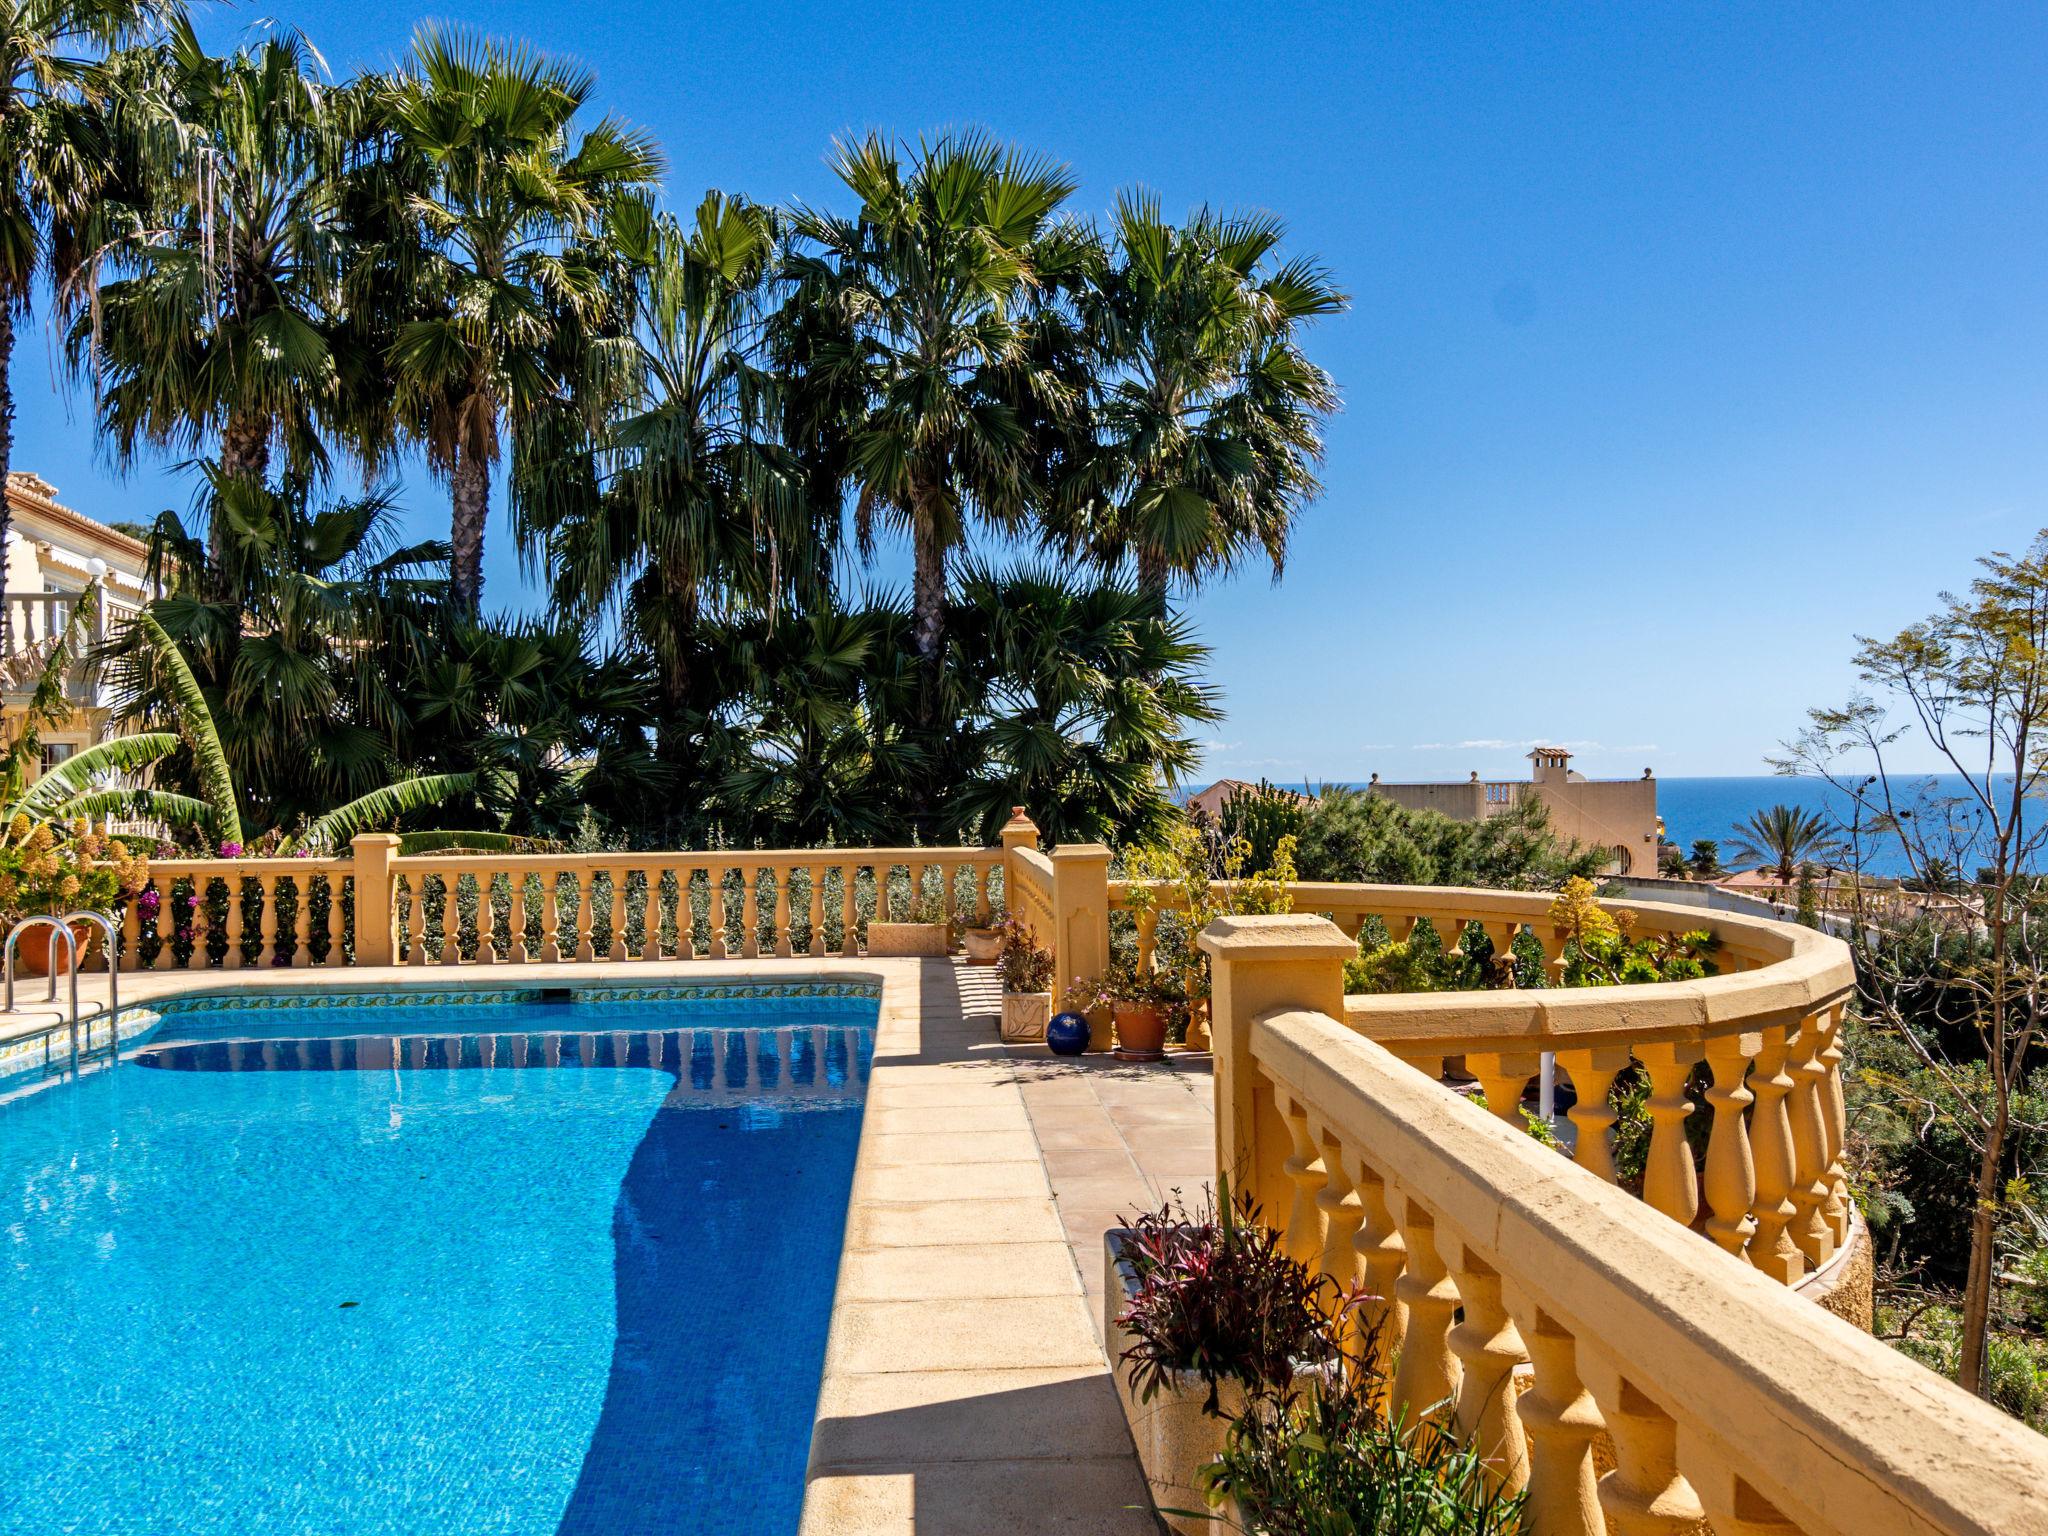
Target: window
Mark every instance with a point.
(55, 752)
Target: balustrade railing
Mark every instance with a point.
(1628, 1377)
(372, 907)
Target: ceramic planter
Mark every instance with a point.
(1025, 1015)
(1175, 1437)
(983, 946)
(34, 948)
(898, 940)
(1140, 1031)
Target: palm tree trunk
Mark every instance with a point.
(244, 455)
(470, 508)
(6, 463)
(928, 598)
(1152, 577)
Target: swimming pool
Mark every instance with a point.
(430, 1263)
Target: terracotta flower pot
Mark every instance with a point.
(983, 946)
(33, 949)
(1140, 1031)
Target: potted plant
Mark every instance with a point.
(1206, 1315)
(42, 873)
(1143, 1004)
(927, 932)
(983, 944)
(1201, 878)
(1027, 982)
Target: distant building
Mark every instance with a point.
(1618, 815)
(53, 553)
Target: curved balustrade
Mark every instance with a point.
(1768, 1104)
(1560, 1324)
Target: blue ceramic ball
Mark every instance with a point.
(1067, 1034)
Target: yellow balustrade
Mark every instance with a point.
(1566, 1326)
(377, 908)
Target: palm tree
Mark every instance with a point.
(1209, 416)
(54, 140)
(509, 263)
(220, 324)
(1783, 837)
(690, 502)
(926, 300)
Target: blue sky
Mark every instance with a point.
(1686, 342)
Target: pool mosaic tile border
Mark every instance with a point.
(343, 996)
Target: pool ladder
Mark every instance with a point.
(81, 1051)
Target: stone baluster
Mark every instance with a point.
(1592, 1113)
(451, 919)
(412, 910)
(785, 895)
(1772, 1248)
(131, 936)
(650, 914)
(1835, 1122)
(686, 917)
(266, 921)
(714, 909)
(234, 924)
(1147, 921)
(1489, 1350)
(550, 916)
(1338, 1210)
(1645, 1494)
(1304, 1167)
(1670, 1183)
(1733, 1506)
(521, 952)
(1731, 1171)
(1561, 1421)
(487, 917)
(849, 912)
(1810, 1164)
(336, 911)
(302, 918)
(750, 912)
(1503, 1077)
(586, 915)
(816, 880)
(1382, 1255)
(1428, 1372)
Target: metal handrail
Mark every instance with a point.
(63, 926)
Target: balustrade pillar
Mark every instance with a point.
(1810, 1176)
(1731, 1172)
(616, 950)
(1503, 1077)
(1561, 1421)
(1835, 1121)
(817, 915)
(1733, 1505)
(1338, 1212)
(849, 911)
(650, 913)
(750, 913)
(1592, 1113)
(1304, 1235)
(586, 916)
(1428, 1372)
(1772, 1249)
(1489, 1349)
(783, 887)
(451, 919)
(266, 920)
(302, 918)
(1382, 1255)
(1670, 1183)
(1645, 1494)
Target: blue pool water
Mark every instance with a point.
(342, 1270)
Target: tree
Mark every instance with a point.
(1354, 835)
(1705, 858)
(690, 503)
(220, 324)
(55, 141)
(1783, 837)
(926, 297)
(1970, 684)
(507, 258)
(1207, 417)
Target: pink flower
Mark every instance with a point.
(148, 902)
(231, 850)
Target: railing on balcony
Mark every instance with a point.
(36, 619)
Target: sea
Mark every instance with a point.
(1694, 808)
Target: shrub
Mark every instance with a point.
(1217, 1297)
(1023, 965)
